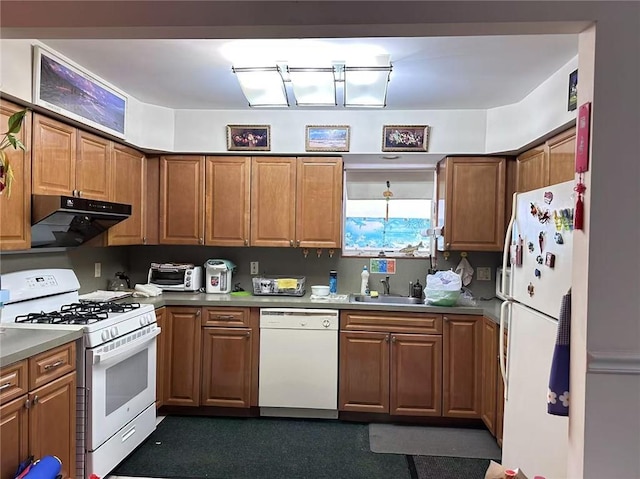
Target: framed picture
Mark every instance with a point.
(66, 88)
(573, 91)
(327, 138)
(405, 137)
(249, 137)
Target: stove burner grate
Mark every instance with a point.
(84, 312)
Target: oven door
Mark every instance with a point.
(121, 382)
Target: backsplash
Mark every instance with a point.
(135, 260)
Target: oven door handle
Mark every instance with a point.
(98, 358)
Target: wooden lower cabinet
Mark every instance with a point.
(160, 356)
(364, 372)
(489, 365)
(461, 392)
(500, 399)
(226, 367)
(38, 421)
(182, 341)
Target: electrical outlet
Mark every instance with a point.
(484, 274)
(254, 267)
(97, 270)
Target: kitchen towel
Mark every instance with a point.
(558, 394)
(465, 271)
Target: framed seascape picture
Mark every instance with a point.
(249, 137)
(65, 88)
(327, 138)
(405, 137)
(573, 91)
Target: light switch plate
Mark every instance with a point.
(483, 274)
(97, 270)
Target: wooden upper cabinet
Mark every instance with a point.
(462, 374)
(182, 200)
(474, 203)
(227, 201)
(273, 201)
(561, 150)
(54, 157)
(15, 210)
(319, 203)
(93, 166)
(128, 186)
(416, 375)
(531, 173)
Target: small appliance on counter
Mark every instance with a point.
(218, 275)
(175, 276)
(121, 282)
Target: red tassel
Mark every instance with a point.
(578, 217)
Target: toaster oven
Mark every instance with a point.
(175, 276)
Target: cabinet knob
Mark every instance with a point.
(248, 335)
(448, 245)
(444, 318)
(290, 242)
(144, 240)
(386, 339)
(27, 403)
(393, 339)
(79, 193)
(298, 243)
(199, 240)
(246, 242)
(198, 313)
(35, 401)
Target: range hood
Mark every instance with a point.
(63, 221)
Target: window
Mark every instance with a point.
(398, 227)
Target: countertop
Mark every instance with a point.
(489, 308)
(20, 343)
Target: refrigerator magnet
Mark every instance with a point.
(530, 289)
(531, 247)
(548, 197)
(558, 238)
(538, 273)
(541, 241)
(550, 260)
(539, 259)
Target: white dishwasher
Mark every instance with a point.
(298, 363)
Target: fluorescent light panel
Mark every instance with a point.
(366, 86)
(313, 86)
(262, 86)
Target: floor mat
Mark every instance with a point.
(256, 448)
(433, 441)
(434, 467)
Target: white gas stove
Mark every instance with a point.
(116, 364)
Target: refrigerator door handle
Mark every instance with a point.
(507, 243)
(503, 365)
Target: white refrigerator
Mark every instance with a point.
(539, 248)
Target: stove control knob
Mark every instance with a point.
(143, 321)
(114, 331)
(105, 335)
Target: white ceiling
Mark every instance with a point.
(477, 72)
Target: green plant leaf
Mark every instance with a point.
(12, 139)
(15, 122)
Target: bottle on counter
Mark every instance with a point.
(364, 283)
(333, 282)
(416, 289)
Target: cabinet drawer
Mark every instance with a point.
(51, 365)
(13, 381)
(391, 321)
(227, 317)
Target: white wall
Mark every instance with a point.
(204, 131)
(541, 111)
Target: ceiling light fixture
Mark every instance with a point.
(315, 86)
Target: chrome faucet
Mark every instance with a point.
(385, 285)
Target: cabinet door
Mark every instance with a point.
(15, 210)
(54, 157)
(14, 436)
(52, 422)
(226, 367)
(319, 203)
(416, 375)
(461, 388)
(160, 356)
(561, 151)
(181, 200)
(364, 372)
(227, 201)
(500, 397)
(273, 201)
(475, 195)
(93, 167)
(182, 356)
(489, 355)
(531, 172)
(129, 187)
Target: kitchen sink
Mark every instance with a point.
(384, 299)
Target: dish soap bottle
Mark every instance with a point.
(364, 284)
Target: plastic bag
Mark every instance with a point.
(443, 288)
(466, 298)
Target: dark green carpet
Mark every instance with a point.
(257, 448)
